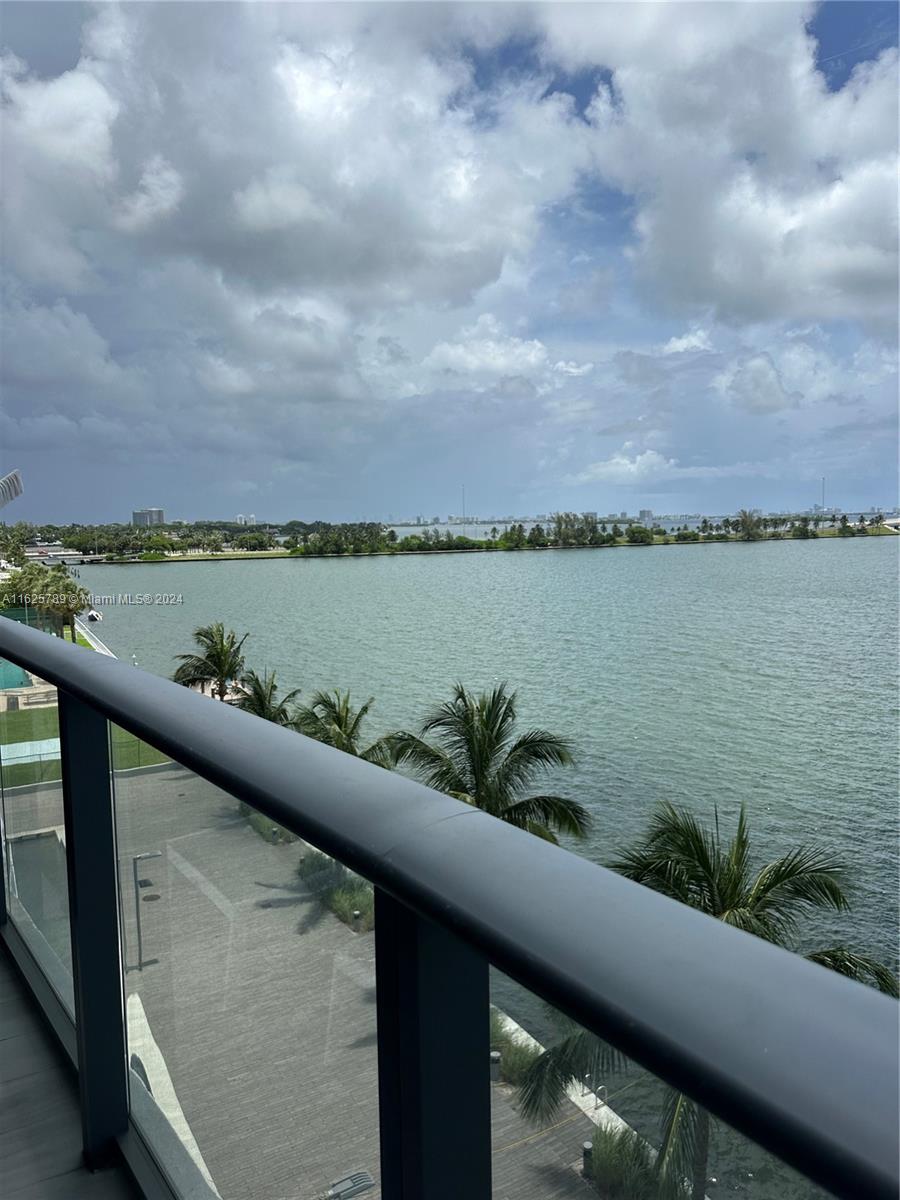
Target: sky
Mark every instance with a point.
(340, 261)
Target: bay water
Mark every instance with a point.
(711, 676)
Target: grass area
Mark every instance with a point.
(29, 725)
(129, 751)
(79, 638)
(515, 1056)
(41, 724)
(338, 889)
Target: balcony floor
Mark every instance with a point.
(40, 1127)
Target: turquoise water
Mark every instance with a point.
(12, 676)
(762, 674)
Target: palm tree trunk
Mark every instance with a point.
(701, 1155)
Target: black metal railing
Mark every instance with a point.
(796, 1057)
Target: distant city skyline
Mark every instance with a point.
(635, 513)
(333, 259)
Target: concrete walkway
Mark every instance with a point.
(25, 752)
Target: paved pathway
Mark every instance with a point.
(25, 752)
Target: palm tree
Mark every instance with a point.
(748, 525)
(260, 697)
(688, 863)
(332, 719)
(219, 663)
(477, 757)
(69, 598)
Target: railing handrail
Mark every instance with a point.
(800, 1059)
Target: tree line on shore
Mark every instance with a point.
(564, 529)
(470, 747)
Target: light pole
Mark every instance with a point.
(135, 859)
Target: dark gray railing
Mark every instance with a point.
(798, 1058)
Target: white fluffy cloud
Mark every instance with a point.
(308, 238)
(761, 192)
(652, 468)
(695, 340)
(485, 348)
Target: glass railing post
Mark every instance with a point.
(433, 1059)
(93, 915)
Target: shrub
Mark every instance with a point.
(639, 535)
(354, 897)
(338, 889)
(268, 829)
(515, 1057)
(623, 1168)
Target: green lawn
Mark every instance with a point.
(80, 638)
(29, 725)
(38, 724)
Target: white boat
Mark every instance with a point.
(93, 615)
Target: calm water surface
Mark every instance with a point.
(760, 674)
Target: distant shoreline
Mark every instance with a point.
(257, 555)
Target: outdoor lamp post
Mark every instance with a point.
(135, 859)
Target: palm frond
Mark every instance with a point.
(534, 751)
(433, 765)
(579, 1055)
(678, 857)
(860, 967)
(684, 1149)
(260, 697)
(556, 813)
(803, 880)
(379, 753)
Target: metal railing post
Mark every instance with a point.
(93, 916)
(433, 1059)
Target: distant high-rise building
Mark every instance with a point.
(645, 516)
(240, 519)
(251, 519)
(148, 516)
(623, 516)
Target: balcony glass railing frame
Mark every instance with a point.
(797, 1058)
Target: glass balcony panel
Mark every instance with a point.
(573, 1119)
(34, 843)
(250, 992)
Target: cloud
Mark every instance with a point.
(302, 243)
(156, 196)
(761, 194)
(697, 339)
(755, 384)
(573, 369)
(485, 348)
(651, 467)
